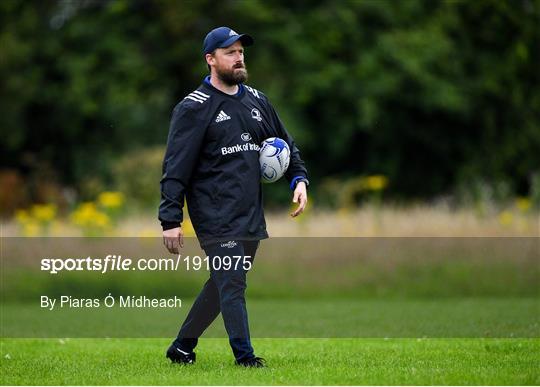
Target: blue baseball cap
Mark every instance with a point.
(222, 37)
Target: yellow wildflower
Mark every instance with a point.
(87, 215)
(101, 220)
(84, 213)
(376, 182)
(506, 218)
(31, 229)
(523, 204)
(92, 221)
(44, 212)
(22, 216)
(110, 199)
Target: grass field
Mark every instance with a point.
(422, 311)
(382, 356)
(282, 318)
(290, 361)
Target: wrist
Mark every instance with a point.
(299, 179)
(169, 225)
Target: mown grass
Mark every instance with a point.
(290, 361)
(280, 318)
(476, 300)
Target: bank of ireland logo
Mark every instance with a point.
(256, 114)
(245, 136)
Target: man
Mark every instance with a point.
(222, 188)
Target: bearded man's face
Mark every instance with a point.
(229, 65)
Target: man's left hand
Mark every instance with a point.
(300, 197)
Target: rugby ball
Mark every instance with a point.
(274, 157)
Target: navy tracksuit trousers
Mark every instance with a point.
(223, 292)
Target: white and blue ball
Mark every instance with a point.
(274, 157)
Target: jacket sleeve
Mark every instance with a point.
(297, 167)
(186, 134)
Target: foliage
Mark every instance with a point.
(430, 94)
(137, 175)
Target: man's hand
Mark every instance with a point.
(300, 197)
(173, 239)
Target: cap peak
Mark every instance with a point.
(222, 37)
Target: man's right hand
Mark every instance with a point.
(173, 239)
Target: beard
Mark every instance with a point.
(236, 75)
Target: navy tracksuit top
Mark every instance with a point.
(212, 160)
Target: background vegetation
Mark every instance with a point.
(440, 97)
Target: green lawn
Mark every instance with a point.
(342, 311)
(282, 318)
(290, 361)
(469, 341)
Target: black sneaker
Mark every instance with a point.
(176, 355)
(255, 362)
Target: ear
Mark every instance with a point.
(210, 60)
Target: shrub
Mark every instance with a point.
(137, 175)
